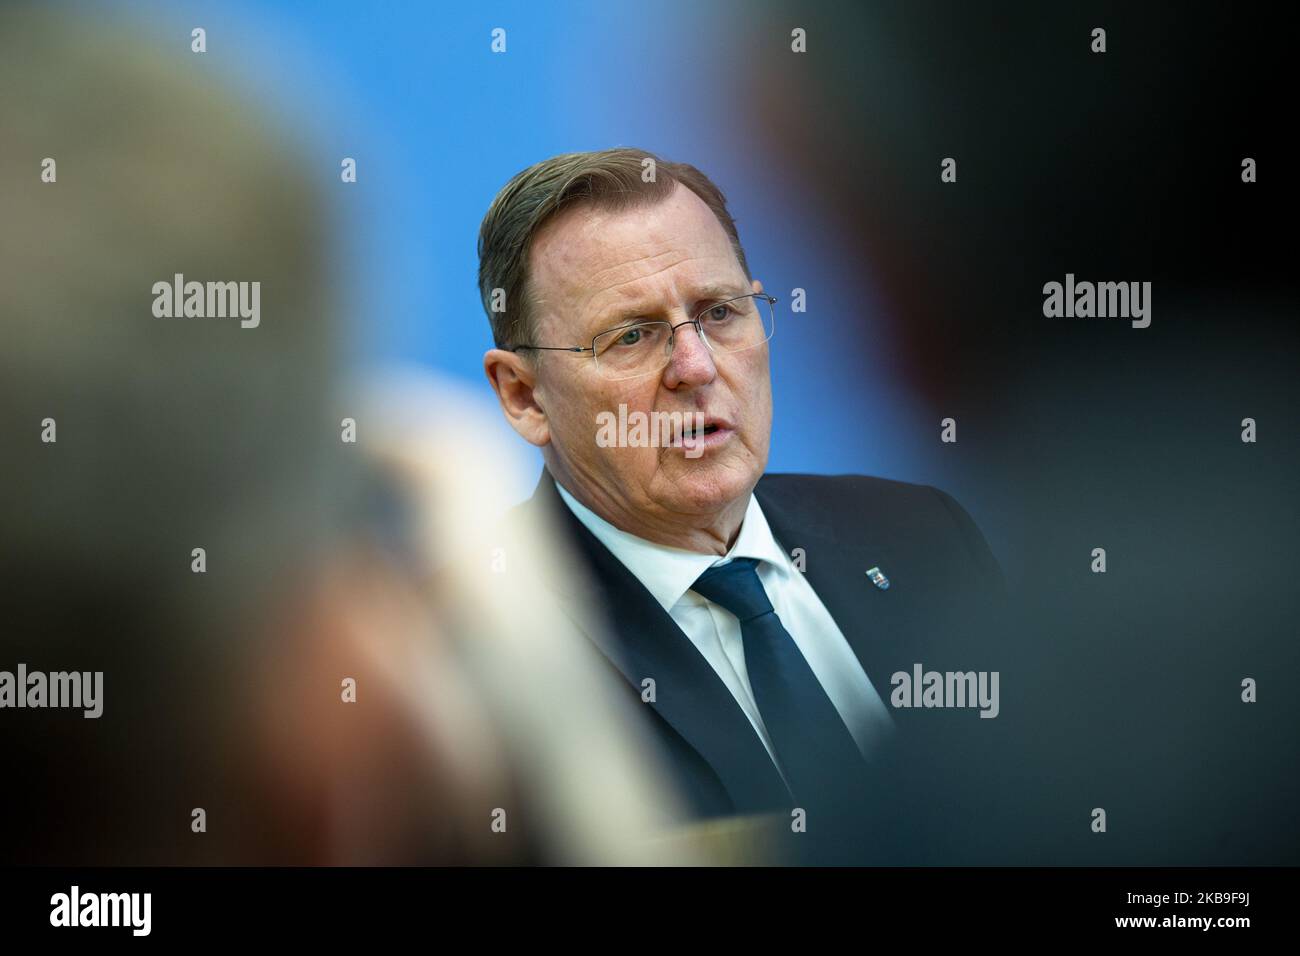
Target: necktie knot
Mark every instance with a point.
(736, 587)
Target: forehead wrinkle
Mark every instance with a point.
(632, 295)
(600, 280)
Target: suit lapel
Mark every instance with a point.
(873, 621)
(643, 641)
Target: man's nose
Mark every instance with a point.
(691, 361)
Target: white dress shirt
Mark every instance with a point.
(668, 573)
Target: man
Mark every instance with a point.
(757, 618)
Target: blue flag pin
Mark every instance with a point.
(878, 578)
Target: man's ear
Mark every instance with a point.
(758, 286)
(513, 379)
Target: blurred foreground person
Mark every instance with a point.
(301, 660)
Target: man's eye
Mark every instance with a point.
(719, 313)
(630, 337)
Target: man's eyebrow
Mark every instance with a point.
(720, 292)
(616, 318)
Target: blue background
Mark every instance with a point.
(438, 123)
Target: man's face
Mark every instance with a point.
(594, 270)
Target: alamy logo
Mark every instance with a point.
(208, 300)
(947, 689)
(685, 430)
(102, 909)
(74, 689)
(1102, 300)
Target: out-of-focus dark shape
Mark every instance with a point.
(325, 560)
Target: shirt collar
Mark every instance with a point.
(668, 573)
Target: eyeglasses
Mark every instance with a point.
(644, 348)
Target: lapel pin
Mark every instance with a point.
(878, 578)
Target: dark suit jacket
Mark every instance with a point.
(938, 611)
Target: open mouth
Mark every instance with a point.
(699, 435)
(690, 433)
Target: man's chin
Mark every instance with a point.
(703, 487)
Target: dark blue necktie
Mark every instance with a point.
(818, 755)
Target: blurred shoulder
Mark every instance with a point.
(917, 515)
(852, 491)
